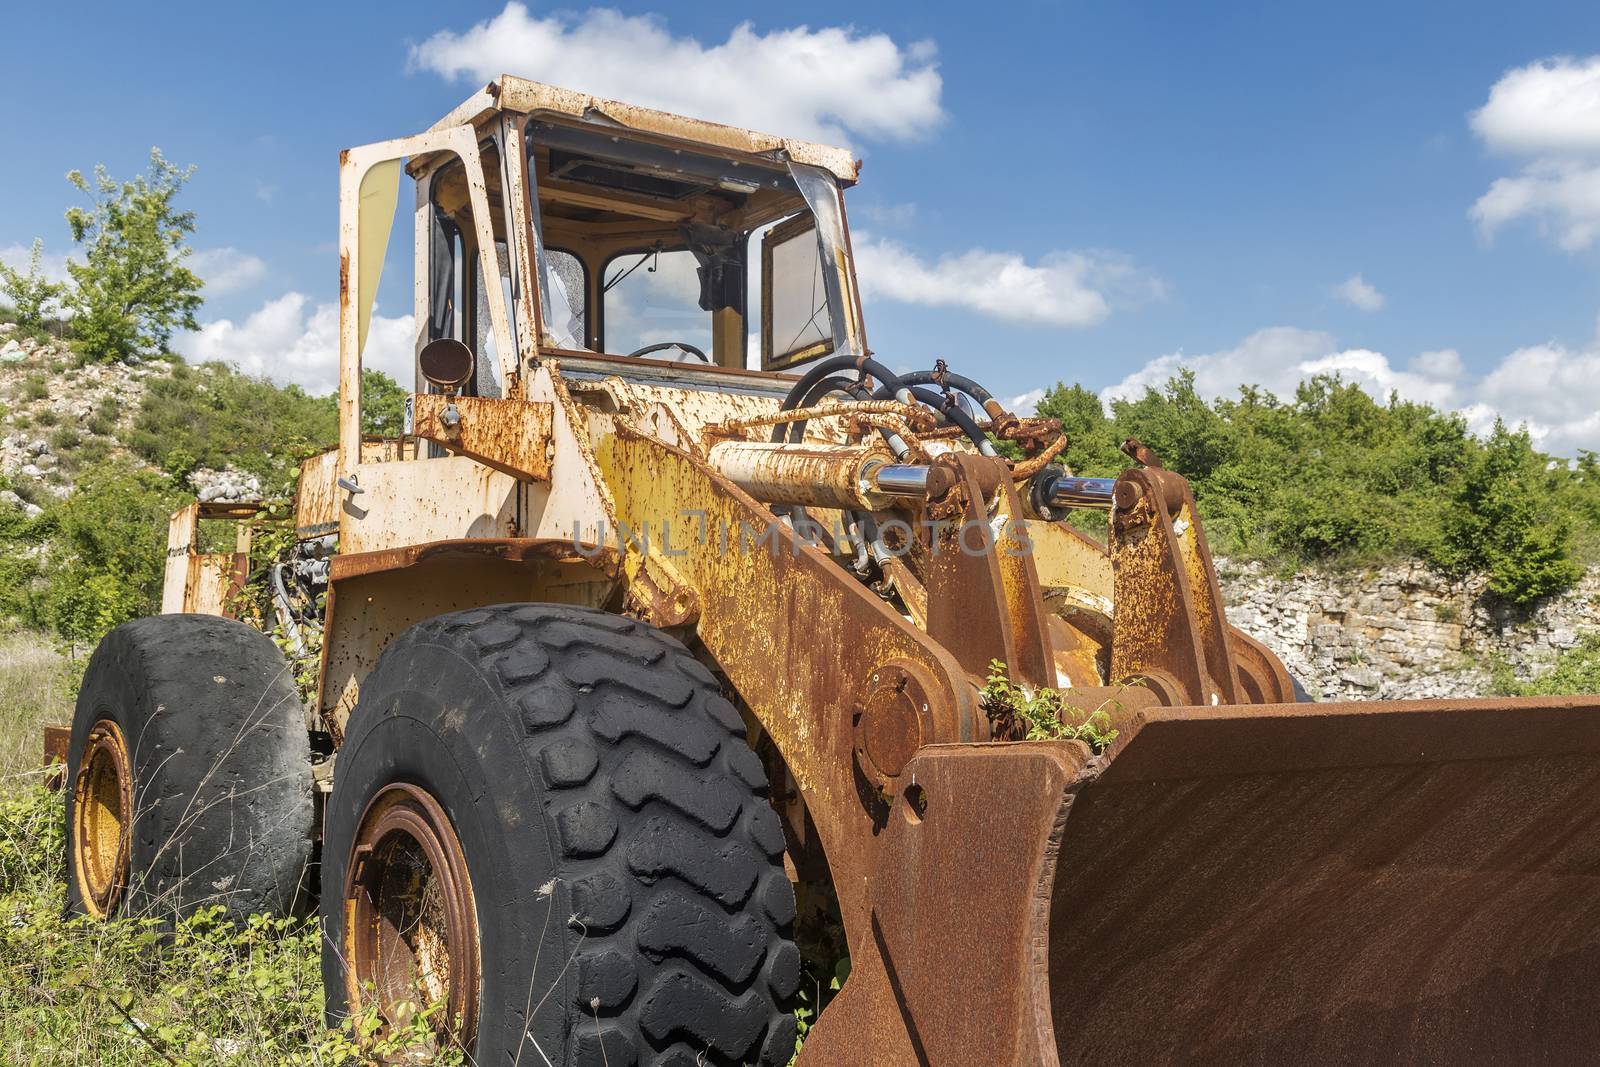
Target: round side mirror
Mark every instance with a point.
(447, 363)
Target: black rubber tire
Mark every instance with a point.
(615, 827)
(221, 763)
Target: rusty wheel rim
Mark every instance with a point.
(411, 925)
(102, 819)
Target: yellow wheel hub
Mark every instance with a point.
(102, 819)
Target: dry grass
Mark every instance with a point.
(38, 685)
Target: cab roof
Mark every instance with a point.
(509, 93)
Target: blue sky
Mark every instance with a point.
(1095, 193)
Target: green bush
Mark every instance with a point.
(216, 417)
(1576, 670)
(1335, 477)
(110, 550)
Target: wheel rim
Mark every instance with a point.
(102, 818)
(411, 931)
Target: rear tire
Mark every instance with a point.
(630, 901)
(189, 777)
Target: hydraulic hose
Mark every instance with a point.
(795, 431)
(955, 381)
(954, 413)
(862, 364)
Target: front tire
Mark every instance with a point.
(628, 902)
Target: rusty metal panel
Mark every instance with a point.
(954, 971)
(212, 583)
(57, 742)
(1170, 626)
(512, 436)
(1071, 562)
(426, 500)
(182, 528)
(1406, 882)
(316, 497)
(519, 94)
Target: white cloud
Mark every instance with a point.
(1553, 390)
(1061, 289)
(1359, 293)
(1561, 196)
(1443, 364)
(1551, 107)
(1025, 405)
(227, 270)
(829, 84)
(289, 339)
(1549, 113)
(52, 266)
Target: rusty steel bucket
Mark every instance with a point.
(1411, 882)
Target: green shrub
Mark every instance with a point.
(65, 439)
(1335, 477)
(1577, 670)
(111, 541)
(217, 417)
(35, 387)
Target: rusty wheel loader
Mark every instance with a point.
(639, 674)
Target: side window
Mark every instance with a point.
(487, 380)
(653, 297)
(568, 301)
(446, 280)
(795, 322)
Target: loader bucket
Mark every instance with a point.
(1412, 882)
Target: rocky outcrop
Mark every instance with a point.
(51, 406)
(224, 486)
(1403, 631)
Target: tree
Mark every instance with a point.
(383, 404)
(1502, 521)
(132, 287)
(33, 296)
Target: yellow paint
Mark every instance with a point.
(380, 192)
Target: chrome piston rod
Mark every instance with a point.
(1070, 491)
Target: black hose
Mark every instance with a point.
(954, 413)
(823, 368)
(833, 383)
(950, 378)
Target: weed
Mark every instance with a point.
(1017, 715)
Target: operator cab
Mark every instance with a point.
(640, 244)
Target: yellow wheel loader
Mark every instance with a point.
(646, 685)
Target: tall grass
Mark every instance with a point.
(38, 685)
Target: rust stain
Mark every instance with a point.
(511, 436)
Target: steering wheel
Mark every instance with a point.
(684, 345)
